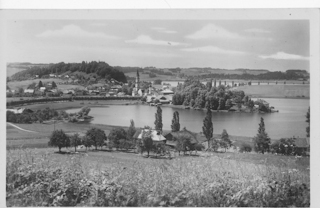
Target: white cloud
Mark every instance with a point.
(256, 30)
(98, 24)
(144, 39)
(284, 56)
(212, 31)
(73, 31)
(213, 49)
(163, 30)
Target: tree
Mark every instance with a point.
(131, 130)
(75, 140)
(86, 141)
(225, 141)
(40, 84)
(262, 141)
(20, 90)
(175, 122)
(116, 135)
(158, 122)
(221, 104)
(308, 121)
(208, 126)
(54, 85)
(97, 137)
(147, 143)
(183, 144)
(59, 139)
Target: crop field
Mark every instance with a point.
(277, 91)
(40, 177)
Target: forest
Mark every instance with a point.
(101, 69)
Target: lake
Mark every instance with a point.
(290, 121)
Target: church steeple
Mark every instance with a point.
(137, 80)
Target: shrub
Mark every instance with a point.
(245, 147)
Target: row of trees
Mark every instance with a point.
(46, 114)
(94, 136)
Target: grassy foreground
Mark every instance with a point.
(39, 177)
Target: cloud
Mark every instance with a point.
(213, 49)
(212, 31)
(98, 24)
(73, 31)
(256, 30)
(163, 30)
(284, 56)
(144, 39)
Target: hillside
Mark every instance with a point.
(99, 70)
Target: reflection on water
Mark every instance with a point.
(290, 121)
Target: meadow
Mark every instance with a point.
(277, 91)
(25, 83)
(40, 177)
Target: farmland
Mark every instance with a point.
(277, 91)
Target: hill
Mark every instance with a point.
(99, 70)
(277, 91)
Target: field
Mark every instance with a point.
(25, 83)
(40, 177)
(277, 91)
(75, 104)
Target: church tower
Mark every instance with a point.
(137, 80)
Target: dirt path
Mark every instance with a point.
(21, 128)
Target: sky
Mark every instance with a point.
(276, 45)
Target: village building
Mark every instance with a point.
(30, 91)
(52, 75)
(167, 92)
(42, 89)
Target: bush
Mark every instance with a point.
(245, 147)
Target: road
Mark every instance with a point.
(21, 128)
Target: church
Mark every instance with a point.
(136, 90)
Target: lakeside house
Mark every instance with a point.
(302, 146)
(155, 135)
(167, 92)
(30, 91)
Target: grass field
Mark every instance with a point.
(277, 91)
(25, 83)
(75, 104)
(40, 177)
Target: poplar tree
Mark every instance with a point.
(158, 122)
(308, 121)
(261, 141)
(208, 126)
(175, 122)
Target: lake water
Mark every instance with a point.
(290, 121)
